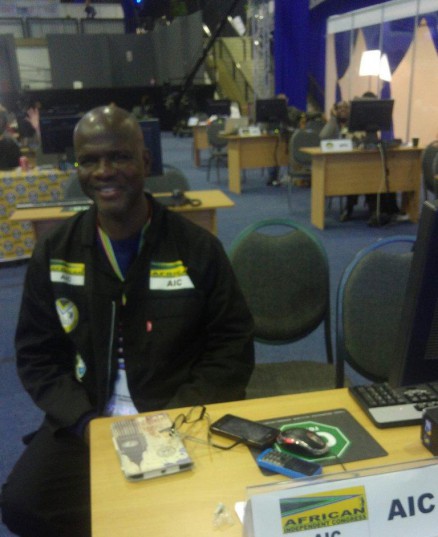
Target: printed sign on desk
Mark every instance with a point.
(399, 500)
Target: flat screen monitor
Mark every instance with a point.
(370, 115)
(272, 111)
(416, 350)
(57, 133)
(219, 107)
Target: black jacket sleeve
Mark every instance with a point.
(45, 356)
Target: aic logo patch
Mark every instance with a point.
(68, 314)
(314, 511)
(169, 276)
(70, 273)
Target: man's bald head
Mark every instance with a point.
(98, 123)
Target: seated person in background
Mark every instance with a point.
(144, 109)
(386, 205)
(127, 307)
(337, 127)
(9, 149)
(293, 116)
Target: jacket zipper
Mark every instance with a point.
(110, 353)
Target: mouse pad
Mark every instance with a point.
(348, 440)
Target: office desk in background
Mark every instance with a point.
(16, 186)
(205, 215)
(183, 504)
(245, 152)
(342, 173)
(200, 142)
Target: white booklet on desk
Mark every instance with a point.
(148, 448)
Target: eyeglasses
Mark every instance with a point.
(194, 415)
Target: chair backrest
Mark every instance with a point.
(428, 167)
(283, 272)
(72, 188)
(369, 304)
(213, 130)
(303, 138)
(171, 180)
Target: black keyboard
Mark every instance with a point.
(395, 407)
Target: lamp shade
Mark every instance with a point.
(370, 63)
(385, 71)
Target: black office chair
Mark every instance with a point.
(369, 303)
(283, 272)
(429, 169)
(217, 145)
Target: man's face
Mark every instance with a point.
(111, 172)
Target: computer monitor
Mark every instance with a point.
(219, 107)
(271, 111)
(57, 133)
(370, 116)
(416, 350)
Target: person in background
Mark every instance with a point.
(274, 171)
(89, 10)
(9, 148)
(337, 127)
(127, 307)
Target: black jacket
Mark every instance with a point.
(184, 344)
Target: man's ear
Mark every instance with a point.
(147, 161)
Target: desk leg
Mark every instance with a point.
(196, 156)
(317, 209)
(234, 169)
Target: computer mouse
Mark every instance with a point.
(303, 440)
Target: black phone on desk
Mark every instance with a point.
(251, 433)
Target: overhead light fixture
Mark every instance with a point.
(374, 63)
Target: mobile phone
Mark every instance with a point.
(251, 433)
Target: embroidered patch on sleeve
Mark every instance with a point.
(68, 314)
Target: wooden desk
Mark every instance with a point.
(43, 218)
(16, 186)
(200, 142)
(360, 172)
(183, 504)
(246, 152)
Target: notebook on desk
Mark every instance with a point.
(148, 448)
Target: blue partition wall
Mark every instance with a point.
(299, 45)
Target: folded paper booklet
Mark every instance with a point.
(147, 447)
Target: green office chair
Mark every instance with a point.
(369, 303)
(283, 272)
